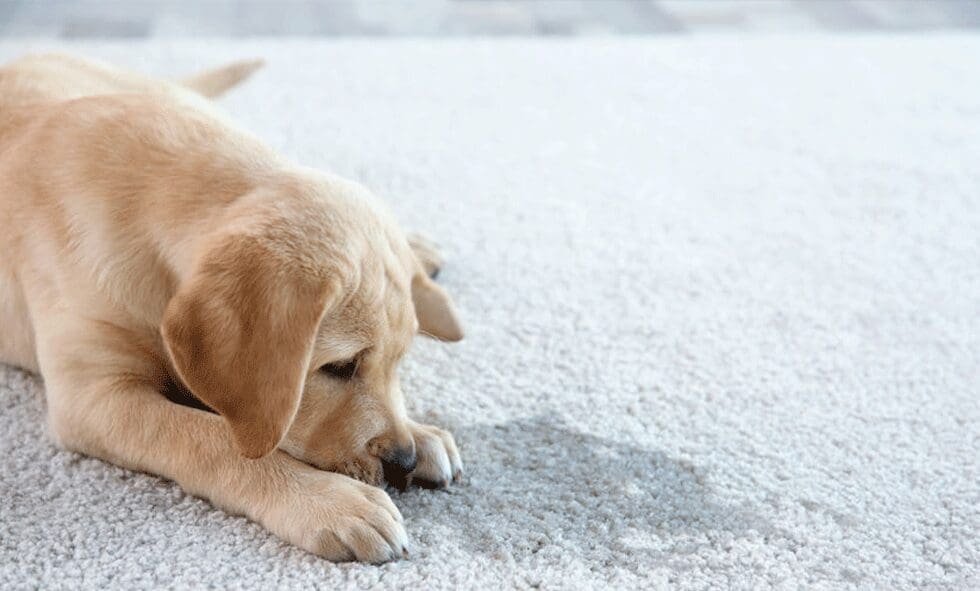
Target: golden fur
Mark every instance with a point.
(146, 243)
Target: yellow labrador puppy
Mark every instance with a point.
(149, 249)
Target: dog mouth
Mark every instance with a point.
(395, 475)
(368, 473)
(378, 474)
(370, 470)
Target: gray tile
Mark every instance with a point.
(214, 18)
(838, 15)
(384, 17)
(78, 18)
(9, 10)
(244, 18)
(104, 28)
(962, 13)
(13, 23)
(296, 17)
(708, 14)
(908, 14)
(575, 17)
(249, 18)
(489, 18)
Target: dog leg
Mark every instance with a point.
(104, 400)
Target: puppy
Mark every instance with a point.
(148, 247)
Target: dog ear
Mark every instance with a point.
(435, 311)
(240, 333)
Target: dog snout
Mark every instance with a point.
(402, 457)
(398, 463)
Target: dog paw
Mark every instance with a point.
(338, 518)
(427, 253)
(438, 458)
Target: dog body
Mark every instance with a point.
(146, 244)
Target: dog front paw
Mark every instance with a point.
(338, 518)
(438, 457)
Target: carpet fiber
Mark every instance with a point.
(723, 311)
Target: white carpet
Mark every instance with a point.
(723, 312)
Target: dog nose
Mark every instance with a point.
(398, 464)
(402, 457)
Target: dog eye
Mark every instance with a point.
(342, 370)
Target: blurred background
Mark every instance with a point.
(240, 18)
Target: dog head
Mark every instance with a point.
(293, 319)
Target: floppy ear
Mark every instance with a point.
(240, 334)
(435, 311)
